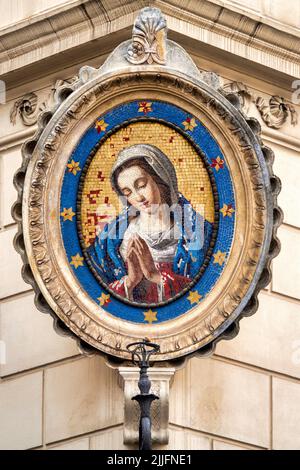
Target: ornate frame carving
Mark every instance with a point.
(37, 211)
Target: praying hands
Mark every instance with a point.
(140, 263)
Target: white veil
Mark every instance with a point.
(158, 161)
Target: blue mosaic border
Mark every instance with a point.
(202, 138)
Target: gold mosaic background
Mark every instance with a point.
(100, 203)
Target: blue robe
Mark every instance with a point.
(192, 246)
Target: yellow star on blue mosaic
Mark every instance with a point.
(219, 257)
(67, 214)
(194, 297)
(77, 261)
(150, 316)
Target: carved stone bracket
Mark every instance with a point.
(274, 111)
(161, 380)
(26, 108)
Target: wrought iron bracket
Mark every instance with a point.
(141, 353)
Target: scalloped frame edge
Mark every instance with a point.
(252, 305)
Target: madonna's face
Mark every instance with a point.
(139, 188)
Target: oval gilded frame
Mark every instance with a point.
(254, 244)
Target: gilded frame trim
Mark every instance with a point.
(247, 270)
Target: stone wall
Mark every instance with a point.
(248, 394)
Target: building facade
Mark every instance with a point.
(245, 396)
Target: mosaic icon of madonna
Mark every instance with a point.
(151, 243)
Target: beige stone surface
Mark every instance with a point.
(287, 167)
(287, 13)
(269, 338)
(23, 325)
(286, 414)
(81, 396)
(187, 439)
(219, 445)
(286, 267)
(17, 10)
(21, 412)
(10, 266)
(110, 439)
(222, 399)
(245, 5)
(10, 161)
(78, 444)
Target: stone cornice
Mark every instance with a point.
(242, 9)
(44, 14)
(235, 33)
(208, 23)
